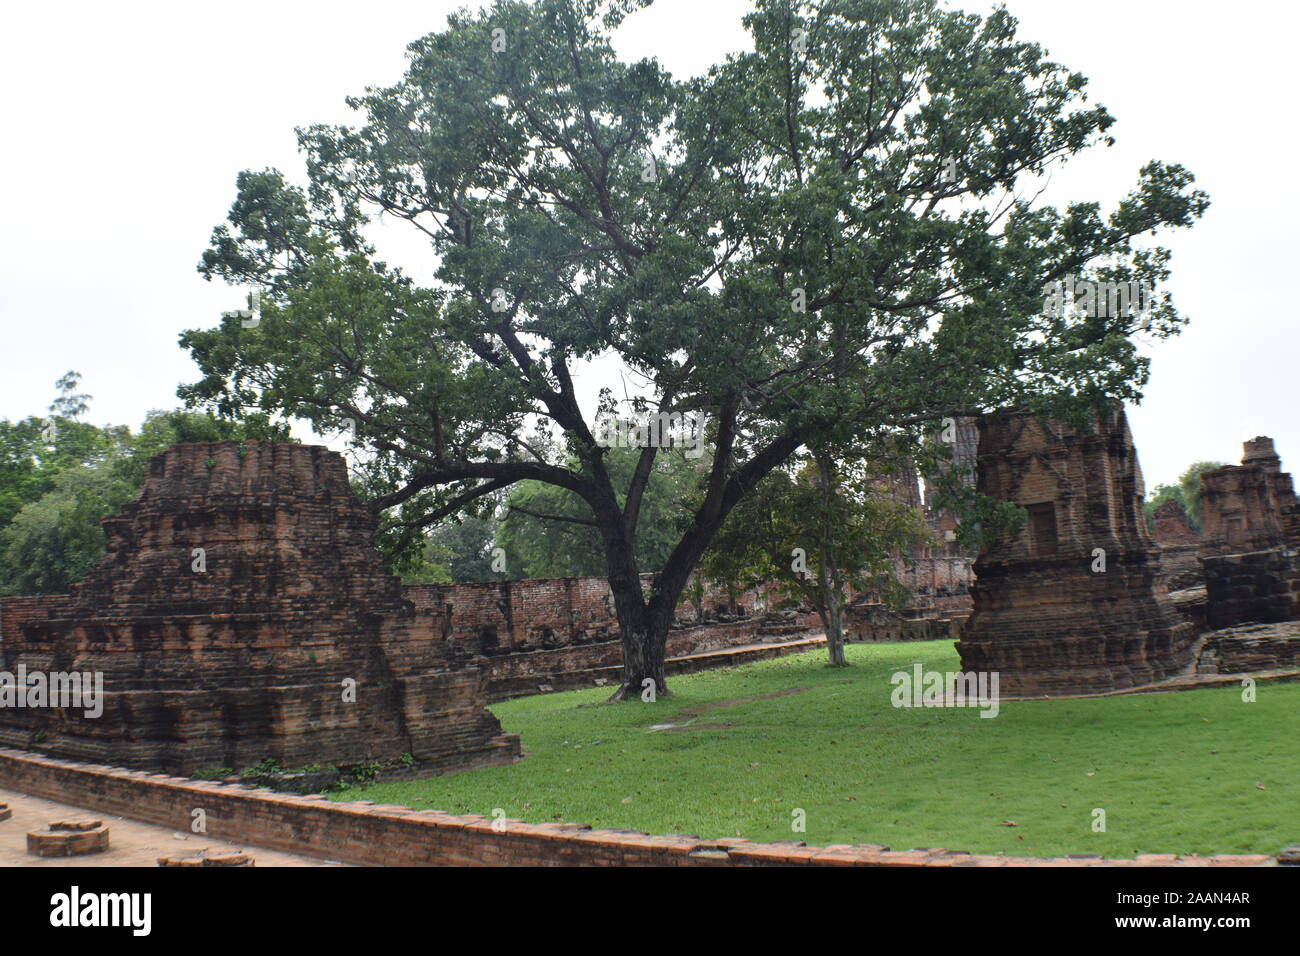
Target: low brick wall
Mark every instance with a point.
(364, 833)
(579, 666)
(1252, 648)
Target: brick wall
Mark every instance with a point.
(571, 667)
(562, 634)
(1258, 586)
(547, 613)
(368, 834)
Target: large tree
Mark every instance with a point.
(824, 239)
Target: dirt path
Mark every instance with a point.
(130, 843)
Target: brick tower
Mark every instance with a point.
(1074, 602)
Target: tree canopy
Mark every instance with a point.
(826, 238)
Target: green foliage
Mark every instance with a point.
(462, 548)
(1190, 485)
(55, 540)
(1187, 493)
(266, 768)
(54, 493)
(1176, 773)
(35, 450)
(839, 517)
(567, 543)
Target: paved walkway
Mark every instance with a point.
(130, 843)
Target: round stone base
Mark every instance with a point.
(69, 838)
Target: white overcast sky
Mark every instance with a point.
(125, 123)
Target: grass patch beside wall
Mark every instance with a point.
(1191, 772)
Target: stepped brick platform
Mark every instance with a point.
(368, 834)
(1251, 648)
(240, 613)
(1047, 616)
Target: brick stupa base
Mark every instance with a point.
(242, 613)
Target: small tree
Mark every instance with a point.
(826, 532)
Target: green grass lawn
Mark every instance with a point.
(1193, 772)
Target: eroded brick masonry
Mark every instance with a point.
(1075, 601)
(1250, 546)
(241, 612)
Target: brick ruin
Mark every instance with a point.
(1179, 545)
(243, 660)
(240, 590)
(1250, 546)
(1172, 526)
(1251, 506)
(1047, 615)
(562, 633)
(963, 442)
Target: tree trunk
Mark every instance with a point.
(643, 625)
(835, 630)
(828, 573)
(643, 665)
